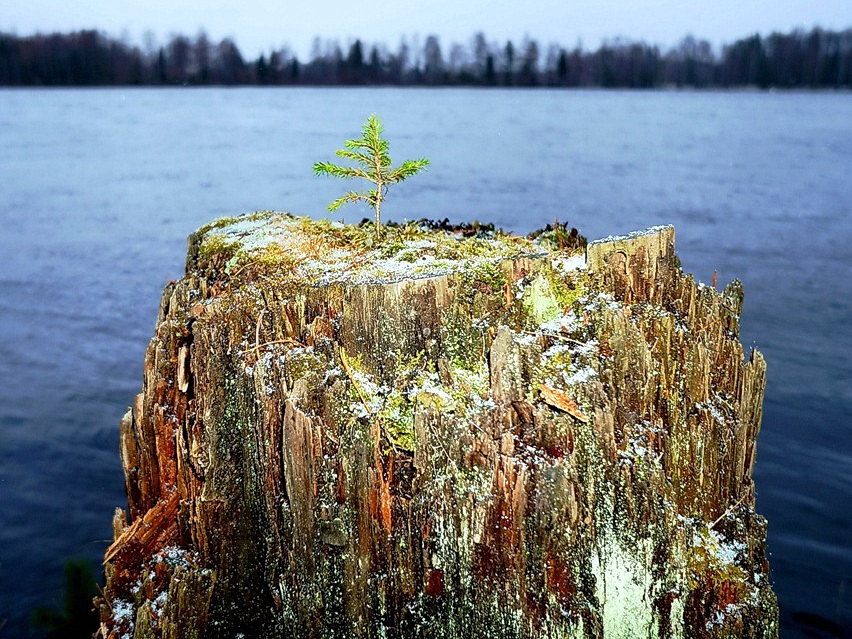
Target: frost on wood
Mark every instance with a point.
(439, 437)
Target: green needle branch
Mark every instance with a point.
(371, 152)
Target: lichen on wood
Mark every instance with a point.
(440, 436)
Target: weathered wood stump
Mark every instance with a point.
(439, 437)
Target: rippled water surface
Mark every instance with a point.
(98, 190)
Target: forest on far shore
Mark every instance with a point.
(811, 59)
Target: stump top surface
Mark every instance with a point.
(323, 252)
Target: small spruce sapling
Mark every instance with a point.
(371, 151)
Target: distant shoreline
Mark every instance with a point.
(416, 87)
(811, 60)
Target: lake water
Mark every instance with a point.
(99, 188)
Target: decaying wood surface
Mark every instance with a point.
(536, 446)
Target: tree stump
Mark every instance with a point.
(439, 436)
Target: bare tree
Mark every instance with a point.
(529, 63)
(433, 69)
(509, 64)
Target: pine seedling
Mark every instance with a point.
(371, 152)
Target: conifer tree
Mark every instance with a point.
(371, 151)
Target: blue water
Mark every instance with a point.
(99, 188)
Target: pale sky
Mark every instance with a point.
(258, 25)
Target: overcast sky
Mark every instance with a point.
(258, 25)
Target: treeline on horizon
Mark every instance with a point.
(817, 59)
